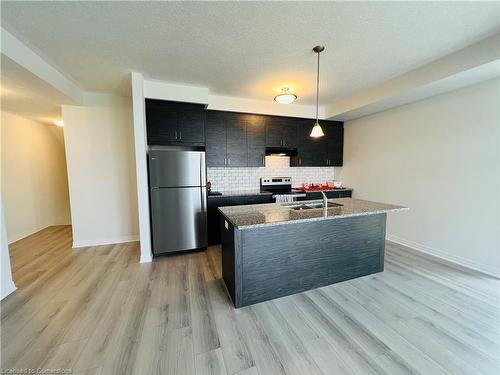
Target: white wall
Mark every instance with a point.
(101, 171)
(7, 284)
(34, 180)
(440, 157)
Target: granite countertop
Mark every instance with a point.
(258, 215)
(235, 193)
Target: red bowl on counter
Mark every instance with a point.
(315, 188)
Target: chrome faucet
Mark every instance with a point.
(325, 199)
(325, 205)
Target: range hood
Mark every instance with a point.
(281, 151)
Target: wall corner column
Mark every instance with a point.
(139, 117)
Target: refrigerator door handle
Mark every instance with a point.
(152, 167)
(203, 170)
(203, 200)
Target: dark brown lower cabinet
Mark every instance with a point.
(347, 193)
(213, 214)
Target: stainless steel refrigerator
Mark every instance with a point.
(178, 194)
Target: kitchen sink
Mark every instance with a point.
(310, 206)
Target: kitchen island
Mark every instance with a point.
(273, 250)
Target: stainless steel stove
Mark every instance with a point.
(281, 187)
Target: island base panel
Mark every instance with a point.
(268, 262)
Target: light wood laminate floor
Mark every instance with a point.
(96, 310)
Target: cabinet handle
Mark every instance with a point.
(225, 162)
(176, 135)
(180, 135)
(300, 161)
(263, 160)
(228, 161)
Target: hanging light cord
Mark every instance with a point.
(317, 90)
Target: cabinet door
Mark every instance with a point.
(161, 123)
(281, 132)
(236, 141)
(174, 123)
(289, 131)
(320, 147)
(192, 125)
(256, 141)
(333, 194)
(345, 194)
(215, 140)
(243, 200)
(334, 134)
(213, 218)
(274, 136)
(314, 195)
(305, 145)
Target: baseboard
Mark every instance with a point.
(105, 241)
(146, 258)
(442, 255)
(19, 237)
(9, 289)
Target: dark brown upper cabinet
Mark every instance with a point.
(305, 145)
(281, 132)
(216, 139)
(236, 141)
(334, 137)
(226, 144)
(256, 140)
(325, 151)
(240, 139)
(169, 123)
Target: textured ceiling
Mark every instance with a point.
(247, 49)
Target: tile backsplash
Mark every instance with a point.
(226, 179)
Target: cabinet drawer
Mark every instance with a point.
(329, 194)
(314, 195)
(346, 194)
(333, 194)
(250, 199)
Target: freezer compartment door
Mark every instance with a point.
(179, 219)
(175, 168)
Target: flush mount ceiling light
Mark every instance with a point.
(286, 97)
(59, 123)
(317, 131)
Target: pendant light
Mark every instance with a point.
(317, 131)
(286, 97)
